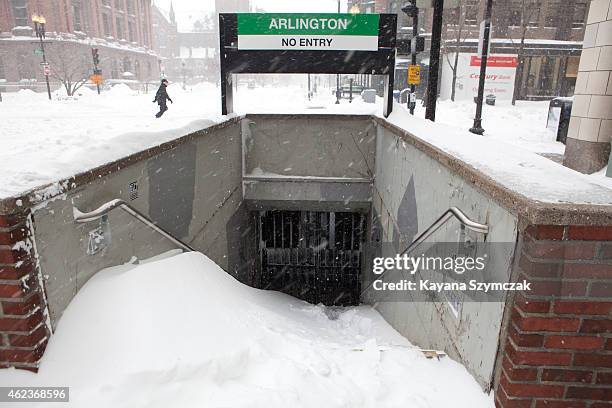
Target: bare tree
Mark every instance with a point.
(529, 9)
(71, 70)
(453, 45)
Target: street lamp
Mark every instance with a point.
(39, 27)
(477, 127)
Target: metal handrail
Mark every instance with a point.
(437, 224)
(105, 208)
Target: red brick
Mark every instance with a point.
(593, 360)
(574, 342)
(21, 324)
(590, 233)
(15, 272)
(538, 358)
(9, 221)
(605, 252)
(608, 344)
(582, 308)
(571, 376)
(600, 290)
(542, 232)
(547, 324)
(539, 269)
(13, 236)
(22, 307)
(596, 326)
(590, 393)
(525, 340)
(518, 374)
(23, 356)
(30, 340)
(587, 271)
(531, 390)
(12, 290)
(503, 401)
(9, 256)
(531, 306)
(600, 405)
(559, 404)
(604, 378)
(556, 287)
(561, 250)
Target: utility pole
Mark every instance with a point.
(434, 64)
(39, 27)
(477, 128)
(338, 95)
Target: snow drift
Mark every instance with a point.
(180, 332)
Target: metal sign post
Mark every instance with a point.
(330, 43)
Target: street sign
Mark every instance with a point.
(414, 74)
(47, 69)
(96, 79)
(481, 38)
(38, 51)
(329, 32)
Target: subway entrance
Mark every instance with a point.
(314, 256)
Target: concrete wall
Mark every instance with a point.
(311, 162)
(193, 190)
(411, 190)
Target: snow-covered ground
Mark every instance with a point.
(44, 141)
(139, 336)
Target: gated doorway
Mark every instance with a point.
(314, 256)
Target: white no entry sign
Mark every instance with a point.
(339, 32)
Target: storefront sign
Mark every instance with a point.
(340, 32)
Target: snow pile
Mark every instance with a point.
(180, 332)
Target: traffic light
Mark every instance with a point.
(96, 56)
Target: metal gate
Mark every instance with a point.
(314, 256)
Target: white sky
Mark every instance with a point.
(189, 10)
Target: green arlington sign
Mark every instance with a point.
(336, 32)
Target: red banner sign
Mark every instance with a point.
(493, 61)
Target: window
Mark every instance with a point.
(551, 19)
(514, 18)
(131, 32)
(2, 73)
(20, 13)
(76, 15)
(119, 5)
(127, 65)
(580, 15)
(106, 3)
(471, 12)
(107, 25)
(120, 29)
(130, 7)
(533, 14)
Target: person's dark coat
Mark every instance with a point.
(161, 97)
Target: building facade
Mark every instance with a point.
(120, 29)
(165, 33)
(553, 31)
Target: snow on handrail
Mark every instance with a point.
(81, 217)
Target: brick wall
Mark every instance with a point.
(23, 314)
(558, 348)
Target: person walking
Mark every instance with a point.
(161, 97)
